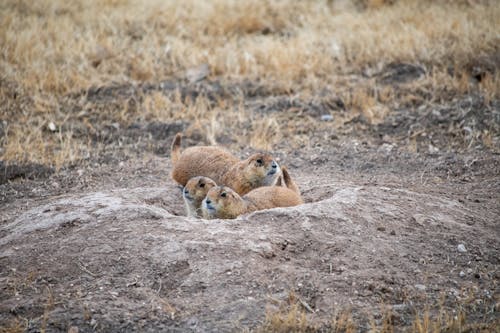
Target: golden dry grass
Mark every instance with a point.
(51, 49)
(52, 46)
(15, 326)
(292, 317)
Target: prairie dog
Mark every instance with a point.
(287, 181)
(222, 167)
(222, 202)
(194, 192)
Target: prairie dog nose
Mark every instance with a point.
(274, 165)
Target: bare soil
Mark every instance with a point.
(395, 223)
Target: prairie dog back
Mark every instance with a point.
(260, 169)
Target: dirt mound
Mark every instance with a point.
(122, 260)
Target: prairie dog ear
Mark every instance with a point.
(279, 182)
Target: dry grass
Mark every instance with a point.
(52, 49)
(53, 46)
(15, 326)
(292, 317)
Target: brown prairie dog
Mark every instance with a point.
(287, 181)
(194, 192)
(224, 203)
(222, 167)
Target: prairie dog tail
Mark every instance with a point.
(288, 180)
(175, 151)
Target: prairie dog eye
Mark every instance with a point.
(202, 185)
(223, 194)
(259, 161)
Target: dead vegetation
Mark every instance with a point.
(52, 51)
(296, 316)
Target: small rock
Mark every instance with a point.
(433, 149)
(326, 117)
(198, 73)
(422, 220)
(469, 270)
(420, 287)
(399, 307)
(386, 138)
(102, 52)
(386, 147)
(381, 228)
(470, 220)
(461, 248)
(437, 114)
(52, 127)
(393, 233)
(73, 329)
(461, 274)
(192, 322)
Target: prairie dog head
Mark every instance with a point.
(194, 192)
(261, 169)
(222, 202)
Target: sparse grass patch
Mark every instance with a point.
(294, 319)
(17, 325)
(265, 133)
(289, 317)
(40, 144)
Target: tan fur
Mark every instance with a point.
(194, 192)
(258, 170)
(224, 203)
(288, 181)
(175, 151)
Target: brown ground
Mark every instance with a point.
(103, 245)
(387, 114)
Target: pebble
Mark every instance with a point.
(386, 147)
(399, 307)
(420, 287)
(462, 273)
(52, 127)
(433, 149)
(461, 248)
(327, 117)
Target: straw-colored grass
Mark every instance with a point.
(50, 49)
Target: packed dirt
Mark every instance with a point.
(387, 232)
(114, 253)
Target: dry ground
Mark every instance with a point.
(386, 112)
